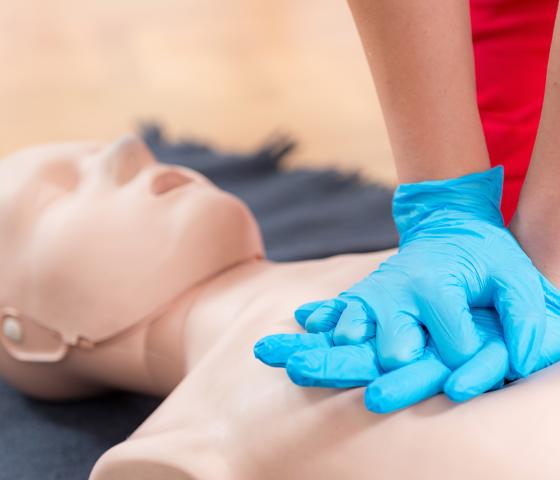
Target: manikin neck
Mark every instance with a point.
(200, 334)
(156, 356)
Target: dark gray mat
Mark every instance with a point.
(303, 214)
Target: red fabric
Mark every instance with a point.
(511, 41)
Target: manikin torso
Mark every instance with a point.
(227, 415)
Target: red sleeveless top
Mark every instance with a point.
(511, 46)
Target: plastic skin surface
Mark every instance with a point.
(454, 254)
(227, 415)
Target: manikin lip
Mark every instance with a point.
(169, 181)
(182, 189)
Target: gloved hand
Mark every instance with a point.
(454, 254)
(312, 359)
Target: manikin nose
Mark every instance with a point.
(126, 158)
(129, 157)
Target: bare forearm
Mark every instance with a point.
(537, 220)
(421, 58)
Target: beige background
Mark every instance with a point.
(230, 72)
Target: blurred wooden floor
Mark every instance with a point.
(230, 72)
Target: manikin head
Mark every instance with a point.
(95, 238)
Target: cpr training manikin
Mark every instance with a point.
(122, 273)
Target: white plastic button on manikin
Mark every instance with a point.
(12, 329)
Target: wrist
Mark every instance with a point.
(475, 196)
(539, 240)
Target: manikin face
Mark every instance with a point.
(95, 237)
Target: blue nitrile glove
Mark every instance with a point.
(454, 253)
(311, 359)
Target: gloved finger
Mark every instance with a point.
(488, 324)
(274, 350)
(400, 341)
(447, 317)
(550, 352)
(485, 371)
(338, 367)
(355, 325)
(325, 317)
(520, 303)
(302, 313)
(407, 385)
(498, 385)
